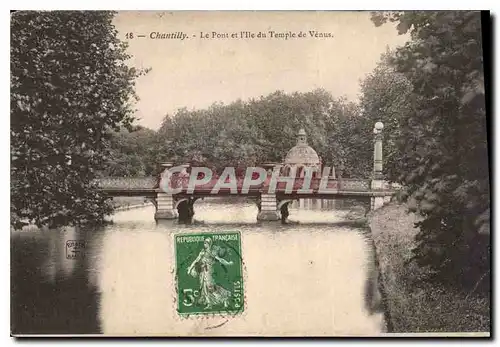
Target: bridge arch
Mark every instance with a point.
(283, 202)
(187, 208)
(178, 202)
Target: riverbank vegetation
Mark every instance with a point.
(437, 265)
(414, 303)
(440, 151)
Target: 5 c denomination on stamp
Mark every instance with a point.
(209, 273)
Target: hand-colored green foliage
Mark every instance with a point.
(441, 147)
(70, 87)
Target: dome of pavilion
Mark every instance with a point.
(302, 153)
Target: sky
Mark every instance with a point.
(198, 70)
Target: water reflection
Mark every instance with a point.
(307, 279)
(49, 293)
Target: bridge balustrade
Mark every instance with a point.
(142, 183)
(298, 184)
(127, 182)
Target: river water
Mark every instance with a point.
(300, 280)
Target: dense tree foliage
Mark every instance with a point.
(441, 145)
(252, 132)
(132, 153)
(263, 130)
(70, 87)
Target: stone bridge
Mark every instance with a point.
(272, 203)
(129, 186)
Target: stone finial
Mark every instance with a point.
(301, 139)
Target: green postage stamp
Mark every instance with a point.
(209, 273)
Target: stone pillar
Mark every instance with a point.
(165, 206)
(377, 151)
(268, 203)
(165, 202)
(268, 210)
(377, 182)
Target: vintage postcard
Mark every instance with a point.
(250, 173)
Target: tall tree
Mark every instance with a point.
(70, 87)
(443, 140)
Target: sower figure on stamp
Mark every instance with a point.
(203, 267)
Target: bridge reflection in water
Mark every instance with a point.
(325, 204)
(314, 278)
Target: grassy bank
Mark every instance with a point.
(424, 307)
